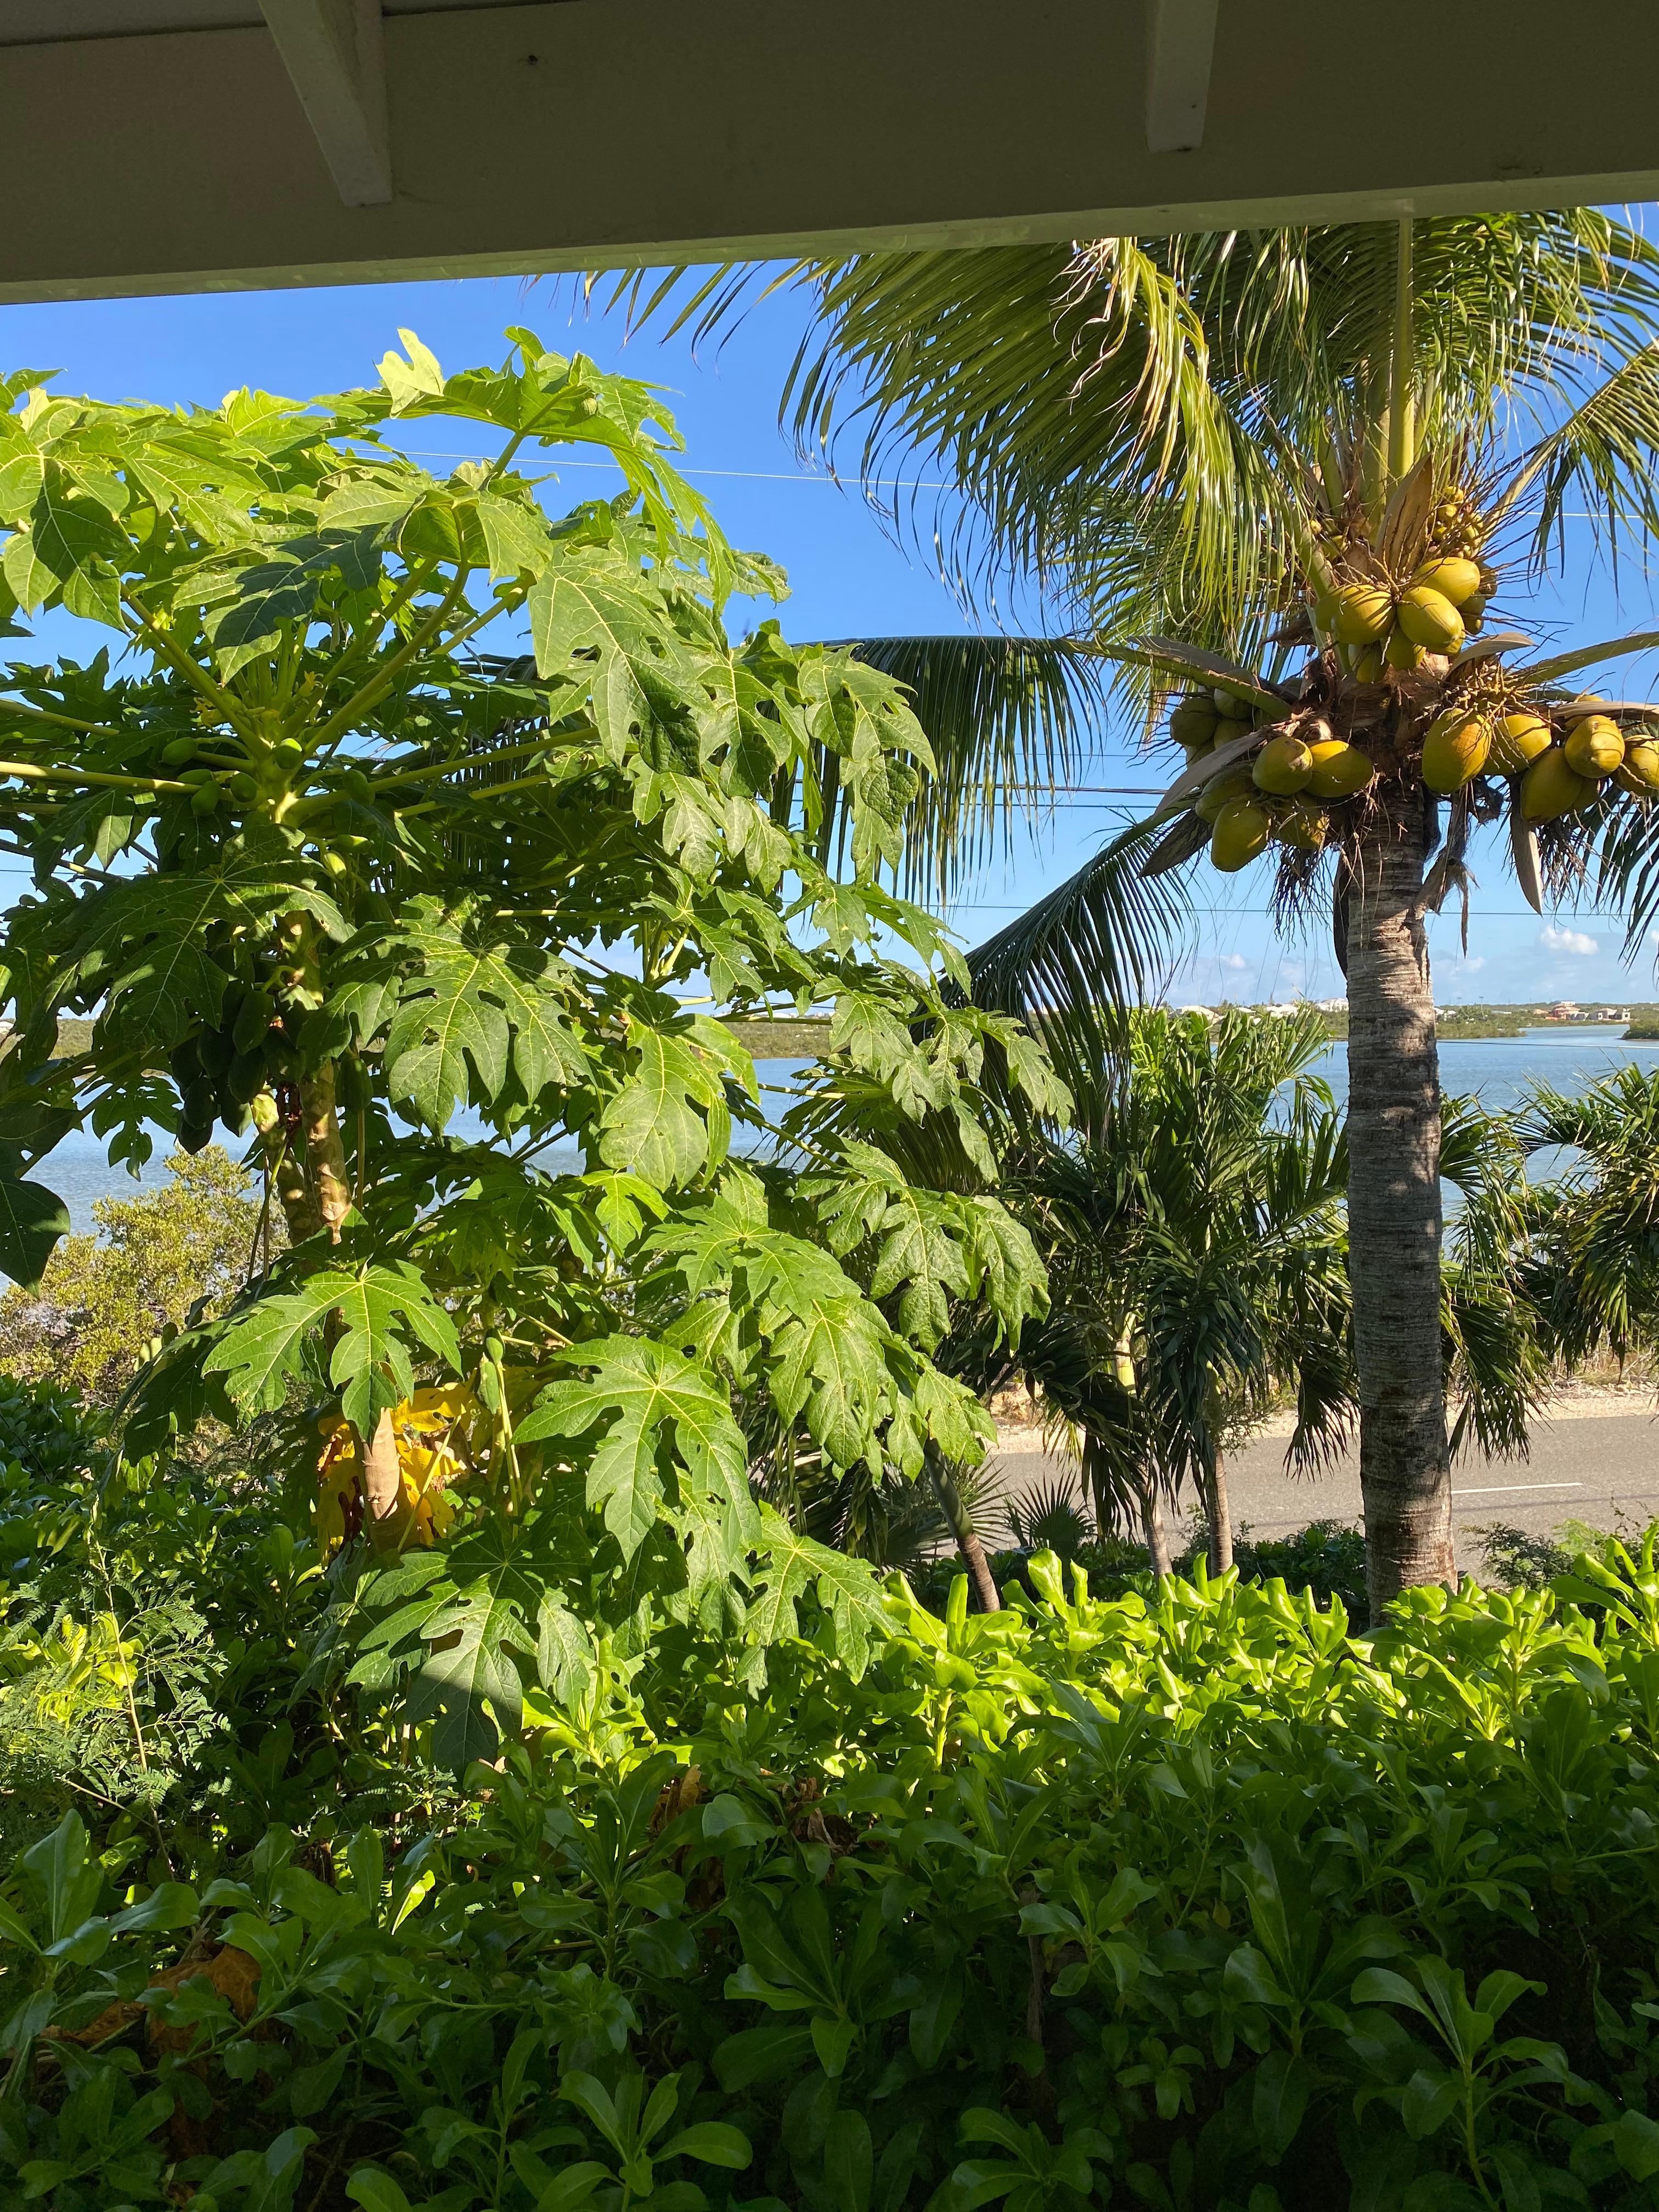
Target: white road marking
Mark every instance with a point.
(1494, 1489)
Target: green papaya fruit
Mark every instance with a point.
(246, 1077)
(252, 1022)
(215, 1052)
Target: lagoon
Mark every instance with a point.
(1496, 1069)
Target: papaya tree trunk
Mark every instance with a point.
(388, 1516)
(286, 1170)
(959, 1522)
(1394, 1206)
(325, 1164)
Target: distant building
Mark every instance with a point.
(1563, 1010)
(1614, 1014)
(1333, 1005)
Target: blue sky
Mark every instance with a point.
(848, 578)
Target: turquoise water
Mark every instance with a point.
(1498, 1069)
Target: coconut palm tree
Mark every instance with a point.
(1307, 470)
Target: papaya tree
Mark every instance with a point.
(1300, 478)
(448, 935)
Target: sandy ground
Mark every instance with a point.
(1595, 1458)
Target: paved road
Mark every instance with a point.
(1599, 1467)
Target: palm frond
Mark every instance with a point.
(1605, 451)
(1009, 720)
(1100, 943)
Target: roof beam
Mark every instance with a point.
(334, 51)
(511, 157)
(1180, 44)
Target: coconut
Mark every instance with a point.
(1234, 783)
(1453, 578)
(1303, 826)
(1454, 750)
(1364, 612)
(1595, 746)
(1551, 786)
(1242, 831)
(1338, 770)
(1193, 722)
(1402, 651)
(1517, 740)
(1283, 765)
(1430, 619)
(1232, 706)
(1230, 727)
(1638, 772)
(1368, 665)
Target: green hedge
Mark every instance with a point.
(1207, 1904)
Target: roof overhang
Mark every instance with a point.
(191, 145)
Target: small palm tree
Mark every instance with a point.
(1192, 1224)
(1291, 471)
(1586, 1244)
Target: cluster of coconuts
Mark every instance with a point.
(1378, 626)
(1561, 755)
(1562, 760)
(1280, 794)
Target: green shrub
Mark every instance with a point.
(1327, 1558)
(159, 1257)
(1198, 1903)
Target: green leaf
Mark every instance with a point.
(791, 1565)
(712, 2141)
(1278, 2097)
(516, 535)
(669, 1118)
(31, 1220)
(418, 378)
(1586, 656)
(483, 1007)
(379, 1306)
(1636, 2144)
(664, 1420)
(373, 2187)
(830, 1369)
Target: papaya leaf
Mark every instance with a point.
(31, 1220)
(370, 1361)
(665, 1421)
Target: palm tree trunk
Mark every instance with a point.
(1218, 1512)
(1393, 1208)
(959, 1522)
(1152, 1521)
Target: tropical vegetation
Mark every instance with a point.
(1305, 471)
(1191, 1898)
(459, 1751)
(447, 936)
